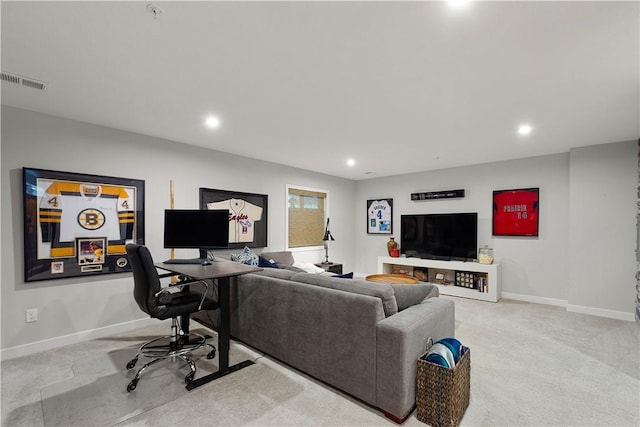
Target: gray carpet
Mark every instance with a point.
(532, 365)
(96, 395)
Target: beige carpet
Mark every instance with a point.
(532, 365)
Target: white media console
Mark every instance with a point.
(445, 273)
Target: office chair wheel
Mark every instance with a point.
(132, 385)
(131, 364)
(189, 377)
(211, 354)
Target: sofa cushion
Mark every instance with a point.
(276, 272)
(379, 290)
(266, 263)
(308, 267)
(344, 276)
(408, 295)
(247, 256)
(282, 258)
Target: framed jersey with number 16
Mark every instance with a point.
(380, 216)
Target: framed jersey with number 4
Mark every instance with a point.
(380, 216)
(79, 224)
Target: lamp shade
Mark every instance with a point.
(327, 233)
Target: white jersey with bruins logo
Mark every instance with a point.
(71, 210)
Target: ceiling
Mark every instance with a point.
(399, 87)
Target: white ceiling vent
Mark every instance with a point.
(24, 81)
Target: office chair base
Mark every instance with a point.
(171, 348)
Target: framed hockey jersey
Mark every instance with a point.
(78, 224)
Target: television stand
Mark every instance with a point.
(443, 275)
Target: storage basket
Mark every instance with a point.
(442, 394)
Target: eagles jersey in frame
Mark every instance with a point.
(65, 208)
(247, 215)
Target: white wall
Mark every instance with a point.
(76, 305)
(603, 183)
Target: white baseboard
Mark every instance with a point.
(601, 312)
(535, 299)
(593, 311)
(51, 343)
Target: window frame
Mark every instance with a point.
(288, 187)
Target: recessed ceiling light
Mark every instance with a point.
(212, 122)
(458, 3)
(524, 129)
(351, 162)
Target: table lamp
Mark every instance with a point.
(326, 238)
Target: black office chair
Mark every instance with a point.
(161, 303)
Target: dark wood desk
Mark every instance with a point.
(222, 271)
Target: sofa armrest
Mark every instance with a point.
(401, 339)
(408, 295)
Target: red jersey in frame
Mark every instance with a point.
(515, 212)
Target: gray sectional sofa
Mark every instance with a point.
(361, 337)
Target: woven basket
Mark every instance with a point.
(442, 394)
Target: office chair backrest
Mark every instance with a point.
(145, 278)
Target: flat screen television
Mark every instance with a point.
(450, 236)
(196, 229)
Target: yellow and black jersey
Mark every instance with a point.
(70, 210)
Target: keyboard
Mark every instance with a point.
(203, 261)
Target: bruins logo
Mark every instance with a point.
(91, 219)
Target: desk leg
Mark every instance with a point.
(224, 338)
(224, 330)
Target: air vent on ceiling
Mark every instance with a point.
(24, 81)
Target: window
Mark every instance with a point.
(306, 213)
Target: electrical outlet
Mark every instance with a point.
(31, 315)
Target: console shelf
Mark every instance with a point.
(490, 273)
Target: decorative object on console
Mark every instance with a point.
(402, 269)
(466, 279)
(515, 212)
(434, 195)
(485, 255)
(380, 216)
(247, 215)
(78, 224)
(327, 237)
(421, 273)
(392, 247)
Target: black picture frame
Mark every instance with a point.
(248, 215)
(516, 212)
(379, 216)
(67, 213)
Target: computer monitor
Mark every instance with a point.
(196, 229)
